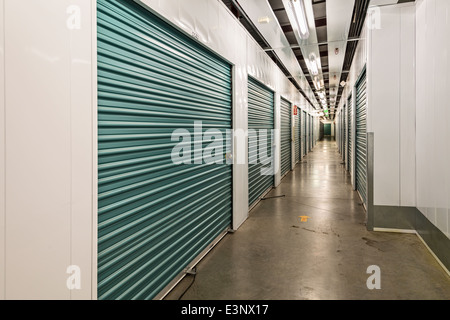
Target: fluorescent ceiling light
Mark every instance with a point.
(313, 65)
(317, 85)
(297, 16)
(313, 68)
(263, 20)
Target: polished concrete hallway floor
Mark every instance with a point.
(274, 255)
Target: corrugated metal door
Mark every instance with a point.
(260, 125)
(344, 137)
(285, 134)
(304, 133)
(314, 132)
(297, 136)
(155, 216)
(349, 136)
(344, 133)
(310, 133)
(361, 138)
(341, 118)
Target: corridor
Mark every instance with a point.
(313, 244)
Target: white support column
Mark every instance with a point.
(277, 138)
(240, 145)
(48, 124)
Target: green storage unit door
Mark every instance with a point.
(297, 136)
(327, 129)
(361, 137)
(313, 132)
(260, 125)
(344, 134)
(349, 135)
(155, 216)
(300, 137)
(285, 134)
(304, 133)
(310, 133)
(341, 130)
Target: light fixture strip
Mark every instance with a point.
(313, 67)
(298, 15)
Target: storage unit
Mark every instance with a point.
(155, 216)
(260, 125)
(342, 129)
(361, 138)
(304, 133)
(350, 132)
(314, 131)
(285, 133)
(297, 136)
(344, 133)
(327, 129)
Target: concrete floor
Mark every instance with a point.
(276, 256)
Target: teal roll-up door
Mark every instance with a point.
(361, 137)
(304, 133)
(297, 136)
(344, 133)
(285, 134)
(300, 132)
(260, 125)
(156, 216)
(310, 133)
(349, 135)
(341, 131)
(313, 132)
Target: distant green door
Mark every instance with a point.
(297, 134)
(286, 131)
(327, 129)
(361, 137)
(304, 133)
(155, 216)
(349, 135)
(260, 125)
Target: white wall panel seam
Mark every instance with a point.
(94, 148)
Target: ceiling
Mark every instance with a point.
(333, 38)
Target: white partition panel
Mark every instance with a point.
(432, 96)
(49, 161)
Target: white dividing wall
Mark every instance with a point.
(46, 146)
(391, 101)
(432, 101)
